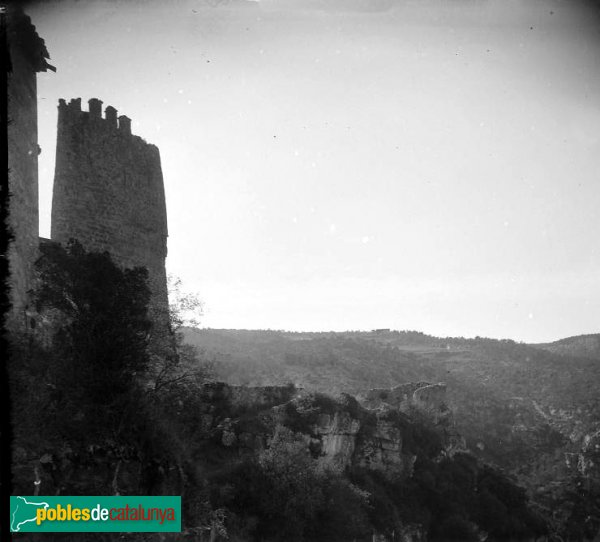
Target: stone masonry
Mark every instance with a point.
(28, 56)
(109, 194)
(108, 186)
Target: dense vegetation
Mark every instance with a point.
(284, 492)
(283, 495)
(88, 414)
(76, 382)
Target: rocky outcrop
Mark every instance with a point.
(340, 433)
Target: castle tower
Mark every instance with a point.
(28, 56)
(109, 194)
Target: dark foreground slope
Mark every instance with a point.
(532, 410)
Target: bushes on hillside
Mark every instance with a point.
(82, 373)
(283, 495)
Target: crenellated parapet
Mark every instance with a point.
(72, 112)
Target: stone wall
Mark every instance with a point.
(109, 193)
(402, 397)
(28, 56)
(108, 187)
(424, 397)
(430, 397)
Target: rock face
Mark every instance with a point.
(383, 451)
(339, 433)
(344, 434)
(335, 436)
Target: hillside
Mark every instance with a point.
(528, 409)
(584, 346)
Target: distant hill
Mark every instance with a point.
(585, 346)
(530, 409)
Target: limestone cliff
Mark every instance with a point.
(339, 433)
(406, 439)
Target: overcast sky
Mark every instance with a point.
(358, 164)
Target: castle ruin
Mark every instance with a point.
(108, 185)
(109, 193)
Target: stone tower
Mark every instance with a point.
(28, 56)
(109, 194)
